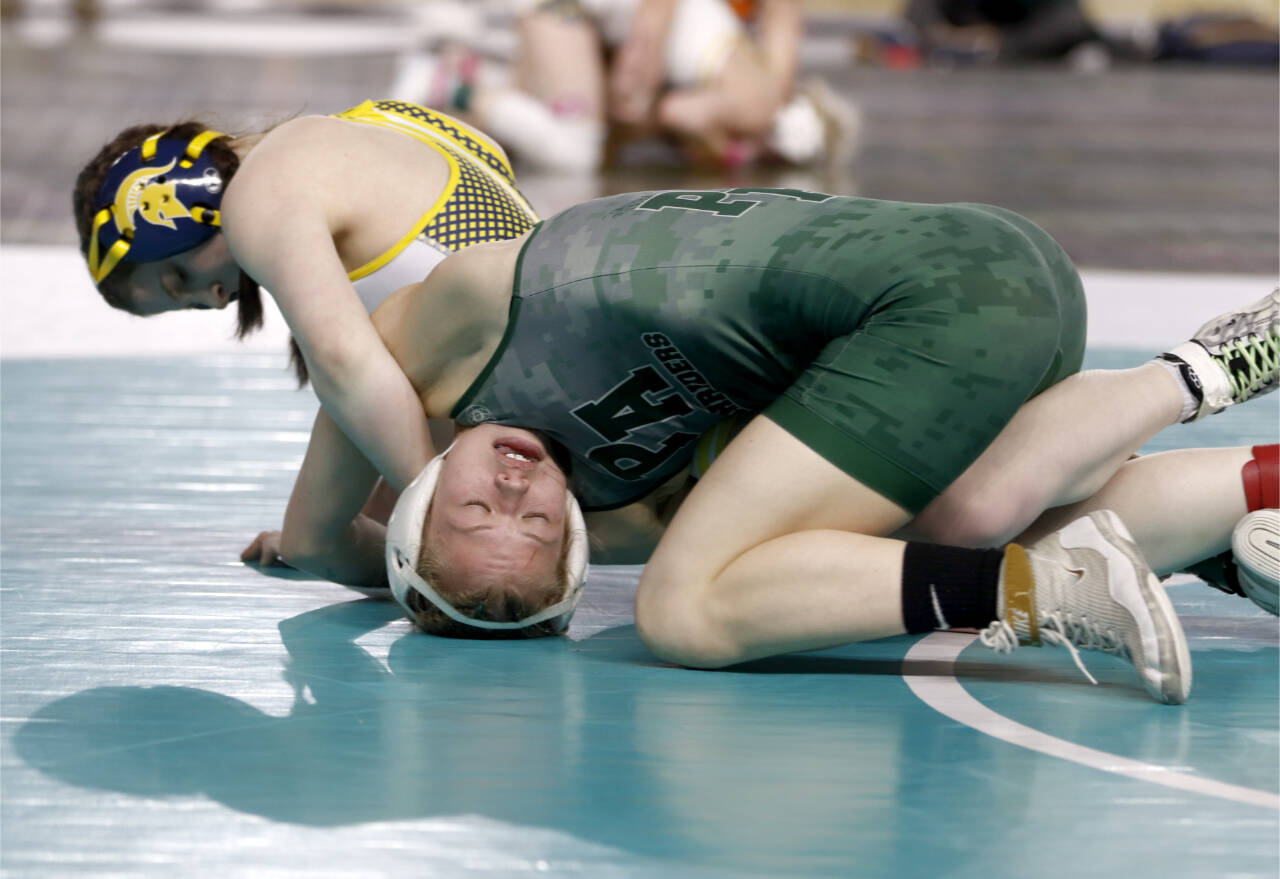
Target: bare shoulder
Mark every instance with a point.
(311, 135)
(283, 163)
(276, 219)
(344, 168)
(291, 149)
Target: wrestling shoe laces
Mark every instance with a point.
(1087, 587)
(1232, 358)
(1059, 630)
(1251, 364)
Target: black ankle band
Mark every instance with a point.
(946, 587)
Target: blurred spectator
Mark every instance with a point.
(717, 78)
(1218, 39)
(1001, 30)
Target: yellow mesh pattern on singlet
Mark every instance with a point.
(451, 128)
(477, 211)
(480, 201)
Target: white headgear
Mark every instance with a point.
(404, 545)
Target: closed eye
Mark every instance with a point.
(169, 284)
(481, 504)
(173, 282)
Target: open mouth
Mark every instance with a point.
(522, 452)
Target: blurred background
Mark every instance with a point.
(1142, 134)
(172, 712)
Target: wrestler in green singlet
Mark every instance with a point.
(894, 339)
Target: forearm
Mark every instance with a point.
(360, 385)
(352, 557)
(374, 404)
(324, 532)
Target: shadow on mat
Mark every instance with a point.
(884, 657)
(589, 738)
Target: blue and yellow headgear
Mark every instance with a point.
(158, 199)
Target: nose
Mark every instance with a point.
(213, 296)
(511, 482)
(218, 296)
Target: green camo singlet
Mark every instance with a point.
(895, 339)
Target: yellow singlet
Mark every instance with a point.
(480, 202)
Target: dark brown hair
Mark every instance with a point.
(84, 203)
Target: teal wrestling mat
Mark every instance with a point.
(169, 711)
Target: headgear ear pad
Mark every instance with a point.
(404, 546)
(158, 199)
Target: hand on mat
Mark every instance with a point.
(265, 550)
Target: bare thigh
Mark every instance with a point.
(1060, 447)
(560, 62)
(776, 550)
(740, 101)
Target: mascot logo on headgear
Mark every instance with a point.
(146, 193)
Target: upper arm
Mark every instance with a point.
(281, 228)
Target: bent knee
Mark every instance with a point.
(687, 114)
(975, 520)
(678, 623)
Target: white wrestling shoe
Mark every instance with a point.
(1255, 543)
(817, 126)
(1093, 590)
(841, 122)
(1233, 357)
(1251, 568)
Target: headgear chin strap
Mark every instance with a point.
(404, 545)
(158, 199)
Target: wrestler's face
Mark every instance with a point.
(203, 277)
(498, 513)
